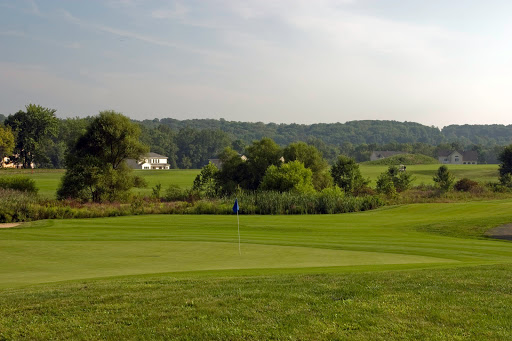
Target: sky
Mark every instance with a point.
(436, 62)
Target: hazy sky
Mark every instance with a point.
(433, 62)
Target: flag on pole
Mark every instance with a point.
(235, 206)
(235, 210)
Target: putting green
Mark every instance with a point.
(58, 261)
(393, 237)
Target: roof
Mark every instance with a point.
(387, 153)
(470, 155)
(151, 154)
(444, 152)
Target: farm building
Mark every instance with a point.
(149, 161)
(458, 158)
(382, 154)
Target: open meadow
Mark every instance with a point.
(48, 180)
(423, 271)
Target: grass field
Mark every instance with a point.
(405, 272)
(48, 180)
(424, 173)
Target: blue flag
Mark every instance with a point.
(235, 206)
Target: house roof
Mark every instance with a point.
(444, 152)
(470, 155)
(387, 153)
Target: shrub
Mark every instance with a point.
(465, 185)
(385, 185)
(175, 193)
(444, 178)
(18, 183)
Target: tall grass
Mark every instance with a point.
(328, 201)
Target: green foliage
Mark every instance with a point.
(401, 179)
(16, 205)
(346, 175)
(6, 143)
(18, 183)
(444, 178)
(328, 201)
(311, 157)
(385, 185)
(175, 193)
(205, 182)
(234, 172)
(404, 159)
(33, 129)
(290, 176)
(505, 168)
(261, 155)
(95, 166)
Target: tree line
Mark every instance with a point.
(190, 143)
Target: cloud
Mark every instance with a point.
(179, 12)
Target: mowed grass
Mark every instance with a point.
(48, 180)
(406, 272)
(423, 174)
(45, 251)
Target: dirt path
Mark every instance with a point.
(6, 226)
(501, 232)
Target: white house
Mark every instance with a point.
(458, 158)
(382, 154)
(149, 161)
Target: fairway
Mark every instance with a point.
(411, 272)
(58, 250)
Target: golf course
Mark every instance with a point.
(424, 271)
(48, 180)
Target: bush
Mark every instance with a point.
(444, 178)
(18, 183)
(465, 185)
(175, 193)
(385, 185)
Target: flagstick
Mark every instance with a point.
(238, 221)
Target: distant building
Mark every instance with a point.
(149, 161)
(382, 154)
(458, 158)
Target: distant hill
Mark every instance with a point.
(353, 132)
(404, 159)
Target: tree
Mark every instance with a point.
(312, 159)
(505, 157)
(96, 168)
(385, 185)
(346, 174)
(401, 179)
(205, 181)
(6, 143)
(33, 129)
(261, 154)
(291, 176)
(234, 172)
(444, 178)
